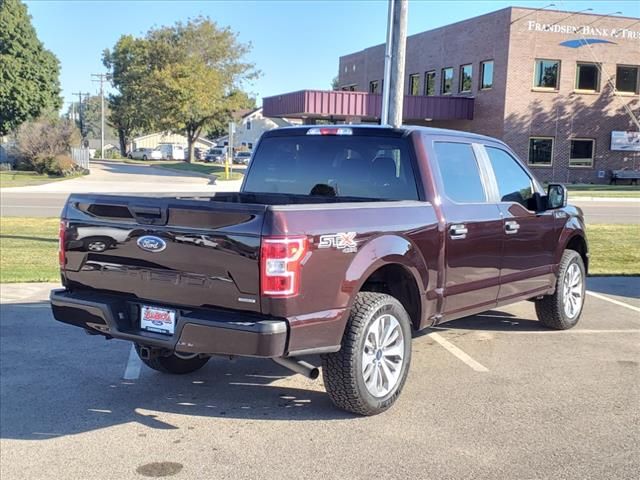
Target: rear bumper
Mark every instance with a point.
(196, 331)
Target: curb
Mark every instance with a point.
(604, 199)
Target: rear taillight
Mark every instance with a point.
(280, 261)
(62, 233)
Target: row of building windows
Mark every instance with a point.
(547, 76)
(446, 87)
(465, 80)
(581, 152)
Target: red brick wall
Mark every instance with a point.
(471, 41)
(512, 110)
(567, 114)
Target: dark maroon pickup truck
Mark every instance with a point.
(342, 242)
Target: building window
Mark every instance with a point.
(541, 151)
(374, 86)
(627, 79)
(466, 78)
(248, 124)
(581, 154)
(430, 83)
(447, 81)
(547, 74)
(414, 84)
(486, 75)
(588, 77)
(349, 88)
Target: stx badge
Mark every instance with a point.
(345, 241)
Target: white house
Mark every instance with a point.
(152, 140)
(252, 125)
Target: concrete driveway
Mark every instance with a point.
(494, 396)
(105, 177)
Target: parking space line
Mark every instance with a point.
(611, 300)
(455, 351)
(132, 371)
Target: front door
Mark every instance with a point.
(529, 237)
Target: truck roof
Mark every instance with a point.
(388, 130)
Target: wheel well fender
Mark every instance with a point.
(391, 264)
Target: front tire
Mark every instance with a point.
(563, 308)
(173, 364)
(367, 375)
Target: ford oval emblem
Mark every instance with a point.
(151, 243)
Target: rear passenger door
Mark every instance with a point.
(474, 229)
(529, 236)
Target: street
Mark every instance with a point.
(114, 177)
(519, 402)
(106, 177)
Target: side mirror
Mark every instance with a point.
(556, 196)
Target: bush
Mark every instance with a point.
(59, 165)
(43, 144)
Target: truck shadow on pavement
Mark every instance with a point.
(56, 381)
(493, 320)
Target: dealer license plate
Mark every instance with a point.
(159, 320)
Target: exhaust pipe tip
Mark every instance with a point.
(298, 366)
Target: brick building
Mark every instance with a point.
(560, 88)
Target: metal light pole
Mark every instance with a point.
(393, 88)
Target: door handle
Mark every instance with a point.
(511, 227)
(458, 231)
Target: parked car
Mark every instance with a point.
(242, 158)
(342, 241)
(145, 154)
(216, 155)
(199, 153)
(171, 151)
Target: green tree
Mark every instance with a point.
(185, 78)
(29, 84)
(129, 112)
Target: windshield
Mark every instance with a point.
(336, 166)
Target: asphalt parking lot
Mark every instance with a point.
(492, 396)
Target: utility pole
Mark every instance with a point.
(398, 50)
(80, 111)
(386, 82)
(101, 77)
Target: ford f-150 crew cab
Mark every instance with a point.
(342, 241)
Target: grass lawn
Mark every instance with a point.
(28, 249)
(206, 168)
(14, 178)
(615, 249)
(611, 191)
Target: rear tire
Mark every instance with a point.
(563, 308)
(174, 364)
(367, 375)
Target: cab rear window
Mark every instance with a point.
(334, 166)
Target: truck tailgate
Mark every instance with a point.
(165, 250)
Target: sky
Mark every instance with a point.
(295, 44)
